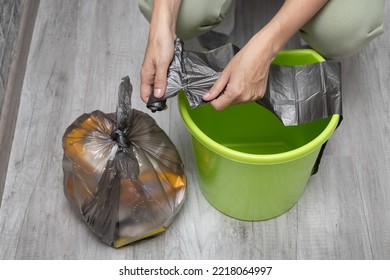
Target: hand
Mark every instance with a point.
(245, 77)
(160, 48)
(159, 54)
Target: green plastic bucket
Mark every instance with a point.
(250, 165)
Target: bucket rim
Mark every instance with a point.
(248, 158)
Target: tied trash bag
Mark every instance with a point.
(295, 94)
(122, 173)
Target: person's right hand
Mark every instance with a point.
(159, 54)
(160, 48)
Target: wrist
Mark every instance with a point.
(271, 37)
(289, 19)
(164, 16)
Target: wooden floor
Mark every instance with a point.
(79, 52)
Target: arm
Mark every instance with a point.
(160, 47)
(245, 77)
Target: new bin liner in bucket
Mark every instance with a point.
(122, 174)
(254, 161)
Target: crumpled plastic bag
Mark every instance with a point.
(296, 94)
(122, 173)
(303, 93)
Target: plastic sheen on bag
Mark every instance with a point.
(296, 94)
(122, 173)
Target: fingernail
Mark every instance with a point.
(158, 92)
(206, 95)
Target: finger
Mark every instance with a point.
(223, 101)
(160, 81)
(217, 88)
(146, 92)
(146, 88)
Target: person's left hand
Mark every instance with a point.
(245, 77)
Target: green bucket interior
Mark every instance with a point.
(250, 165)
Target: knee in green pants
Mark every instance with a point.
(342, 27)
(195, 17)
(339, 29)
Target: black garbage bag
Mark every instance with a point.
(296, 94)
(122, 173)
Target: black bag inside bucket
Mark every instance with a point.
(122, 173)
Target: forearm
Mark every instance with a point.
(164, 15)
(289, 19)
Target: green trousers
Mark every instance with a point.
(339, 29)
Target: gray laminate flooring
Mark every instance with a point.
(79, 52)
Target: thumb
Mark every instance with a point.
(217, 88)
(160, 82)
